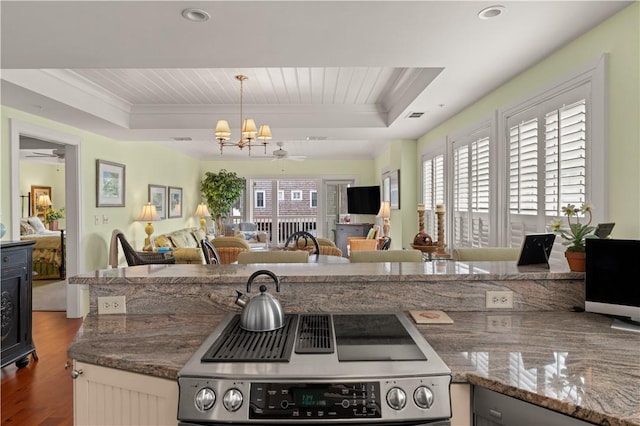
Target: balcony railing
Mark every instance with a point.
(286, 225)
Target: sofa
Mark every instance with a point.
(185, 244)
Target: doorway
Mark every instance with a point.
(72, 202)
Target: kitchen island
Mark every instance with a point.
(539, 352)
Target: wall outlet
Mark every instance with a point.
(499, 299)
(112, 305)
(498, 323)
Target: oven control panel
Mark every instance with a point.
(315, 400)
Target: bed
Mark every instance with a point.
(48, 251)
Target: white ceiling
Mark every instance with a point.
(346, 74)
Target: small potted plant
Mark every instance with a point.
(575, 235)
(52, 216)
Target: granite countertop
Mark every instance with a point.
(569, 362)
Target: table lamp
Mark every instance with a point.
(44, 202)
(385, 214)
(203, 212)
(148, 215)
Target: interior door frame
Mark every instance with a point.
(73, 200)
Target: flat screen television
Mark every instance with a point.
(363, 199)
(610, 285)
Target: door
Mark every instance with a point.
(335, 206)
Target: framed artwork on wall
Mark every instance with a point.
(37, 191)
(391, 188)
(175, 201)
(158, 197)
(110, 184)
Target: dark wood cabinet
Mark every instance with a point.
(346, 230)
(15, 294)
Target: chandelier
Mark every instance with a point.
(249, 136)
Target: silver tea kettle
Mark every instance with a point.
(262, 312)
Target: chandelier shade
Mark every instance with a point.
(250, 135)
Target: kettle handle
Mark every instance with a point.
(263, 272)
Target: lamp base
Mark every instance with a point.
(147, 241)
(386, 227)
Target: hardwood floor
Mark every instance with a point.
(42, 392)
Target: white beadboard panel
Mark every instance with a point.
(105, 396)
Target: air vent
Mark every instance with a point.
(316, 138)
(415, 114)
(315, 335)
(182, 139)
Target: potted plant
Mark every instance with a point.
(52, 216)
(221, 190)
(575, 235)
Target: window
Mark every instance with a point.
(547, 161)
(313, 199)
(433, 190)
(259, 199)
(280, 195)
(512, 174)
(296, 195)
(471, 189)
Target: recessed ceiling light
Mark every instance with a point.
(491, 12)
(196, 15)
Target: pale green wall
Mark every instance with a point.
(145, 164)
(43, 174)
(150, 164)
(619, 36)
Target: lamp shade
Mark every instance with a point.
(202, 211)
(265, 132)
(149, 213)
(249, 126)
(43, 200)
(222, 130)
(385, 210)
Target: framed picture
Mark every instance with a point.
(37, 191)
(391, 188)
(175, 201)
(110, 184)
(158, 197)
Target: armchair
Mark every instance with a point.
(141, 258)
(229, 248)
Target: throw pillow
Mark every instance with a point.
(26, 228)
(162, 241)
(37, 224)
(199, 235)
(371, 234)
(249, 236)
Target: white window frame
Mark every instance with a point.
(296, 195)
(590, 82)
(280, 195)
(258, 199)
(311, 198)
(433, 192)
(473, 227)
(593, 77)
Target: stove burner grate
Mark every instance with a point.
(315, 335)
(238, 345)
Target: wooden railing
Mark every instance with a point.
(286, 225)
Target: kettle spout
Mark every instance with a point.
(241, 299)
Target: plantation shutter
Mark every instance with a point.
(547, 162)
(433, 191)
(471, 190)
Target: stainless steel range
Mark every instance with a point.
(317, 369)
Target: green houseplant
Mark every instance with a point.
(576, 234)
(221, 190)
(52, 216)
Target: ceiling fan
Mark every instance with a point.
(56, 153)
(281, 154)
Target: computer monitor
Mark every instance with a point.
(536, 249)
